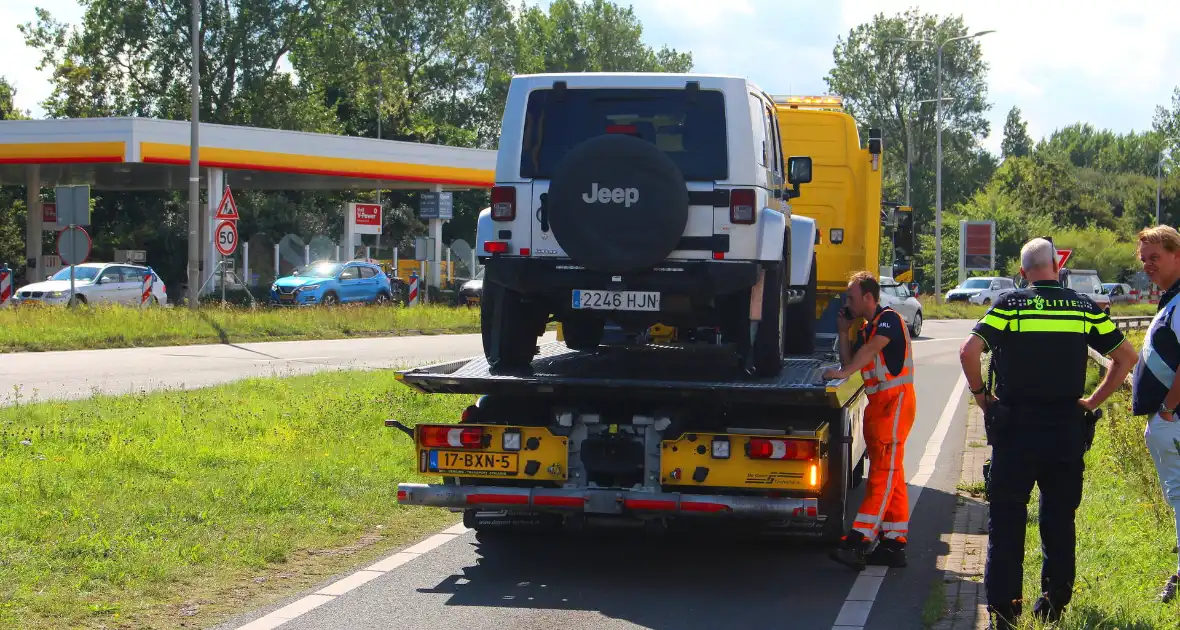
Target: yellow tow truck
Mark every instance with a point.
(656, 434)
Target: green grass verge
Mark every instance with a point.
(179, 508)
(38, 328)
(1125, 533)
(963, 310)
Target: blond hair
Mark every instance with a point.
(1164, 235)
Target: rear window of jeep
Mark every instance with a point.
(693, 133)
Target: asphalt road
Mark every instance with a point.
(82, 373)
(626, 581)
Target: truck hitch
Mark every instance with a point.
(390, 422)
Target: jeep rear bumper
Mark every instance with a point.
(694, 278)
(621, 502)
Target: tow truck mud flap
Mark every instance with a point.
(564, 500)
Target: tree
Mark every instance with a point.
(134, 59)
(8, 110)
(882, 81)
(1016, 141)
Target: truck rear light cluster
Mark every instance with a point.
(496, 247)
(504, 203)
(741, 206)
(451, 437)
(764, 448)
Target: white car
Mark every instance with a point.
(644, 198)
(94, 283)
(901, 299)
(983, 290)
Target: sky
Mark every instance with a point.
(1106, 63)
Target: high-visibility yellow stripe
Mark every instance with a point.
(1104, 328)
(1001, 311)
(1052, 325)
(995, 322)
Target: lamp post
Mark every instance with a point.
(938, 165)
(1158, 182)
(194, 167)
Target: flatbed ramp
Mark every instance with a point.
(652, 371)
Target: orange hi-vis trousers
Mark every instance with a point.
(889, 417)
(885, 510)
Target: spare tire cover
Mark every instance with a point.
(617, 203)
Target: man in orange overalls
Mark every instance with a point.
(884, 357)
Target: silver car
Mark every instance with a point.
(901, 299)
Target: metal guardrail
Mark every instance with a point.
(1128, 322)
(1131, 322)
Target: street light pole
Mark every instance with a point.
(194, 167)
(1158, 179)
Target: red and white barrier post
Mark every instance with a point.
(5, 285)
(412, 299)
(145, 294)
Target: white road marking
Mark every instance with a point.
(354, 580)
(859, 603)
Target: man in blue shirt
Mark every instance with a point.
(1156, 389)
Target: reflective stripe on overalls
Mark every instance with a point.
(889, 417)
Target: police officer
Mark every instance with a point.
(1037, 423)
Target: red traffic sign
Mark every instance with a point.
(49, 213)
(73, 245)
(1062, 256)
(226, 238)
(227, 210)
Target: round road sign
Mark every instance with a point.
(73, 245)
(226, 238)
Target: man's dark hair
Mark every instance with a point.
(867, 283)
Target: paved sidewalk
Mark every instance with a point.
(966, 600)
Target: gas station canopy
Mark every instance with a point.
(146, 154)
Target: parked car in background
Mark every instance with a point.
(330, 283)
(902, 299)
(1120, 293)
(983, 290)
(471, 292)
(94, 283)
(1086, 281)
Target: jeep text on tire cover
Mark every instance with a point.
(626, 196)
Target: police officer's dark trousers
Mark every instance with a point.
(1045, 445)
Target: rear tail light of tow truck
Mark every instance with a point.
(451, 437)
(768, 448)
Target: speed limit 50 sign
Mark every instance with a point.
(226, 238)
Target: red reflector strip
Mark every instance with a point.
(402, 495)
(649, 504)
(569, 502)
(718, 255)
(622, 129)
(502, 499)
(495, 247)
(525, 251)
(697, 506)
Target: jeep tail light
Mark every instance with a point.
(741, 206)
(451, 437)
(504, 203)
(764, 448)
(496, 247)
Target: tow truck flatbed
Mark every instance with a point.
(651, 371)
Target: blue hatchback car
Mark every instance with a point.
(328, 282)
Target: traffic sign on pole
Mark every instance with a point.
(227, 210)
(1062, 256)
(73, 245)
(226, 238)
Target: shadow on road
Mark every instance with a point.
(681, 580)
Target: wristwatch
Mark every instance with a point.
(981, 390)
(1165, 409)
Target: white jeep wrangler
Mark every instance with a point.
(644, 199)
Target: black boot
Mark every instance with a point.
(1046, 611)
(852, 550)
(890, 552)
